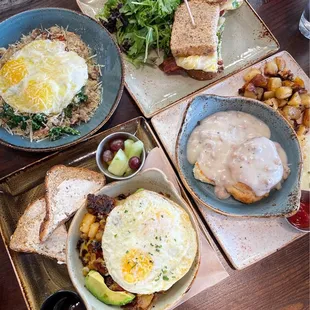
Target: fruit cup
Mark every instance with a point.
(120, 155)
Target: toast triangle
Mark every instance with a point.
(26, 235)
(66, 191)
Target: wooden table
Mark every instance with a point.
(280, 281)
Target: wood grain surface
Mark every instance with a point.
(280, 281)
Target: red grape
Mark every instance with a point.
(134, 162)
(107, 156)
(117, 144)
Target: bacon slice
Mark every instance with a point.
(169, 65)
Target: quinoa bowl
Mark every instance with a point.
(55, 102)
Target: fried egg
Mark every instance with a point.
(205, 63)
(149, 243)
(42, 77)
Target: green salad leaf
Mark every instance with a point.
(140, 25)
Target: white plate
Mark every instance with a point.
(153, 180)
(246, 41)
(244, 241)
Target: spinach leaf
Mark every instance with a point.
(13, 120)
(68, 111)
(38, 121)
(80, 97)
(56, 133)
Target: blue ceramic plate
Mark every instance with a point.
(101, 43)
(284, 202)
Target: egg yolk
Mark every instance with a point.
(136, 265)
(13, 71)
(39, 95)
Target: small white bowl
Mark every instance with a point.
(150, 179)
(104, 166)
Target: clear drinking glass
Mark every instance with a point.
(304, 23)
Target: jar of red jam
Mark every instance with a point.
(301, 220)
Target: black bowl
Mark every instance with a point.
(63, 300)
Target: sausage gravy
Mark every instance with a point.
(232, 147)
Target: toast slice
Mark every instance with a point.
(201, 40)
(66, 191)
(26, 236)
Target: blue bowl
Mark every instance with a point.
(284, 202)
(101, 43)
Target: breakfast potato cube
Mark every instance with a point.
(302, 130)
(251, 74)
(288, 83)
(280, 63)
(250, 91)
(259, 81)
(274, 83)
(144, 301)
(99, 235)
(259, 93)
(306, 118)
(291, 113)
(269, 94)
(93, 230)
(295, 100)
(283, 92)
(286, 74)
(272, 102)
(282, 103)
(305, 100)
(271, 68)
(249, 94)
(299, 82)
(88, 219)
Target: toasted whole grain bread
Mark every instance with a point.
(213, 1)
(201, 75)
(202, 40)
(66, 191)
(26, 235)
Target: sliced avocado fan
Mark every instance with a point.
(94, 282)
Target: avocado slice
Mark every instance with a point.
(94, 282)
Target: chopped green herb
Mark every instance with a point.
(125, 211)
(165, 278)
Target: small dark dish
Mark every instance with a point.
(301, 220)
(63, 300)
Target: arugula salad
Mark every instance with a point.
(140, 25)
